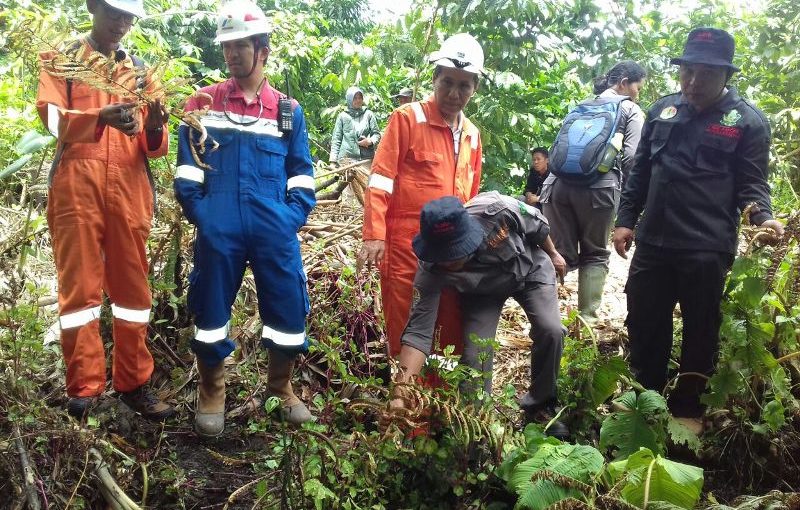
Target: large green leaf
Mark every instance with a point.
(683, 435)
(579, 462)
(606, 376)
(542, 494)
(31, 142)
(663, 479)
(640, 423)
(16, 165)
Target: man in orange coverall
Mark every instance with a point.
(429, 150)
(99, 210)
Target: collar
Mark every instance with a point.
(268, 96)
(435, 117)
(609, 92)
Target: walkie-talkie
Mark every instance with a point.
(285, 120)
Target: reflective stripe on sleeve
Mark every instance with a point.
(130, 314)
(52, 119)
(381, 182)
(191, 173)
(209, 336)
(281, 338)
(419, 113)
(81, 318)
(300, 181)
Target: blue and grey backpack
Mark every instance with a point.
(584, 139)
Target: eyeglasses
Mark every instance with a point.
(117, 15)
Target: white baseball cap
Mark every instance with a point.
(461, 51)
(135, 7)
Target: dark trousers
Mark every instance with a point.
(481, 315)
(658, 279)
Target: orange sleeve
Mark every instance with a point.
(159, 151)
(385, 167)
(69, 126)
(477, 162)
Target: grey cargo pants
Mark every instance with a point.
(580, 220)
(481, 315)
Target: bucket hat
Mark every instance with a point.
(447, 232)
(710, 46)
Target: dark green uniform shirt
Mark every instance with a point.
(695, 172)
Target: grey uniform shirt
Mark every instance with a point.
(509, 256)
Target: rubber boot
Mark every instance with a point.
(591, 280)
(279, 384)
(209, 417)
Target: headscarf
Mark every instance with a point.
(350, 95)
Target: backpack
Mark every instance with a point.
(585, 139)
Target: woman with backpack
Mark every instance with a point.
(581, 212)
(356, 133)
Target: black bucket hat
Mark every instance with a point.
(447, 232)
(710, 46)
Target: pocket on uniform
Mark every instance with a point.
(605, 198)
(427, 166)
(714, 156)
(304, 290)
(272, 156)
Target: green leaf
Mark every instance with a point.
(579, 462)
(773, 415)
(753, 289)
(683, 435)
(640, 424)
(542, 494)
(665, 480)
(16, 165)
(31, 142)
(605, 378)
(314, 489)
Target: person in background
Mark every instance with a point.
(404, 96)
(247, 207)
(99, 210)
(702, 160)
(581, 216)
(356, 132)
(429, 150)
(536, 177)
(491, 249)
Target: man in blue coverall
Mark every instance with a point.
(247, 208)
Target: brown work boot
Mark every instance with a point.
(209, 417)
(145, 402)
(279, 384)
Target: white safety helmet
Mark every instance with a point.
(135, 7)
(461, 51)
(240, 19)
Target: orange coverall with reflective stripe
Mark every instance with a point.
(99, 209)
(415, 163)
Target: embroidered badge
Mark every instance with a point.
(668, 112)
(725, 131)
(499, 235)
(415, 296)
(731, 118)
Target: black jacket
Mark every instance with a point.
(694, 173)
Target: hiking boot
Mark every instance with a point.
(79, 407)
(279, 384)
(209, 416)
(145, 402)
(545, 416)
(591, 280)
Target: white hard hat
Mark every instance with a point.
(461, 51)
(135, 7)
(240, 19)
